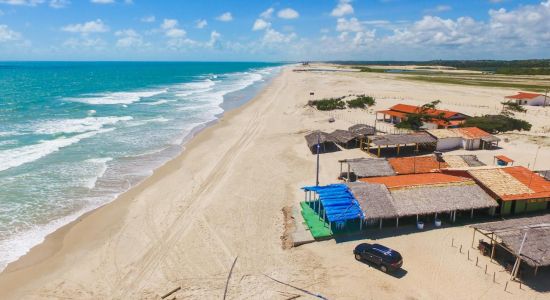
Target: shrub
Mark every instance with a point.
(497, 123)
(328, 104)
(361, 101)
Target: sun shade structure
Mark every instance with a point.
(326, 142)
(344, 138)
(367, 167)
(462, 161)
(374, 199)
(337, 201)
(403, 139)
(362, 130)
(510, 235)
(419, 194)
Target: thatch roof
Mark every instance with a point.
(325, 139)
(462, 161)
(536, 249)
(375, 200)
(429, 199)
(362, 130)
(370, 167)
(342, 136)
(402, 139)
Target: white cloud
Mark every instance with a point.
(214, 40)
(272, 36)
(225, 17)
(200, 24)
(8, 35)
(352, 24)
(169, 24)
(59, 3)
(96, 26)
(129, 38)
(22, 2)
(102, 1)
(288, 13)
(343, 8)
(267, 13)
(148, 19)
(260, 24)
(85, 42)
(439, 9)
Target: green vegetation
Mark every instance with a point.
(477, 82)
(361, 101)
(371, 70)
(511, 107)
(328, 104)
(416, 120)
(497, 123)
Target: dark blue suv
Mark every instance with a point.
(386, 259)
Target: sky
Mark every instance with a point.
(286, 30)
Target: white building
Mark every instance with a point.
(468, 138)
(529, 99)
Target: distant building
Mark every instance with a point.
(399, 112)
(531, 99)
(468, 138)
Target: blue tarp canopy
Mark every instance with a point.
(338, 202)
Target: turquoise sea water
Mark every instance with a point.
(73, 135)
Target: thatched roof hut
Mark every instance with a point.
(362, 130)
(403, 139)
(369, 167)
(374, 199)
(345, 138)
(326, 142)
(462, 161)
(536, 248)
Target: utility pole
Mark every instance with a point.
(318, 149)
(545, 97)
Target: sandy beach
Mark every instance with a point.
(223, 197)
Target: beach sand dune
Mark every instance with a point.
(222, 199)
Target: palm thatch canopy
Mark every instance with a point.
(369, 167)
(462, 161)
(362, 130)
(403, 139)
(536, 248)
(426, 199)
(374, 199)
(344, 138)
(326, 142)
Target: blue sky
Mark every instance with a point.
(273, 31)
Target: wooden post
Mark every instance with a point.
(494, 277)
(397, 223)
(536, 270)
(378, 150)
(398, 149)
(416, 148)
(474, 238)
(380, 223)
(341, 166)
(349, 169)
(485, 269)
(360, 224)
(472, 214)
(506, 286)
(460, 250)
(477, 260)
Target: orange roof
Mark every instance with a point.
(393, 113)
(411, 109)
(539, 185)
(524, 96)
(415, 180)
(411, 165)
(473, 132)
(504, 158)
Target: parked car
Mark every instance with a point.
(386, 259)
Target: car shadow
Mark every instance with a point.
(399, 273)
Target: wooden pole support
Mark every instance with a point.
(468, 254)
(460, 250)
(452, 242)
(494, 277)
(477, 260)
(506, 286)
(485, 269)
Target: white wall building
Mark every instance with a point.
(531, 99)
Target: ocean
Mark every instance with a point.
(74, 135)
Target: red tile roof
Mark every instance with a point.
(415, 180)
(411, 165)
(524, 96)
(473, 132)
(504, 158)
(539, 185)
(411, 109)
(393, 113)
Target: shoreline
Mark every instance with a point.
(53, 242)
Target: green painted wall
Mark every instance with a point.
(536, 206)
(520, 206)
(506, 207)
